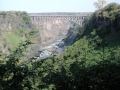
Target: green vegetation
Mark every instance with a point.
(15, 29)
(25, 17)
(13, 39)
(91, 63)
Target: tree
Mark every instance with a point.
(100, 4)
(13, 75)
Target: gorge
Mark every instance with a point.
(90, 59)
(55, 27)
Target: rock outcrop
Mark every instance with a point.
(55, 29)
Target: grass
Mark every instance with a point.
(13, 39)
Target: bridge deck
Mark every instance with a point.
(40, 18)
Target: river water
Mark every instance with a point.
(57, 47)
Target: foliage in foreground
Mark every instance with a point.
(91, 63)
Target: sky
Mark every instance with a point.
(41, 6)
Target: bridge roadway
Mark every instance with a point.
(39, 18)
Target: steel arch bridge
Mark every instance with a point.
(39, 18)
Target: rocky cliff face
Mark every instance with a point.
(15, 27)
(13, 20)
(55, 29)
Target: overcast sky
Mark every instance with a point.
(38, 6)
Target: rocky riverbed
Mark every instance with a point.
(57, 47)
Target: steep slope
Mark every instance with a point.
(93, 61)
(15, 27)
(56, 29)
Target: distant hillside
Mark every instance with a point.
(56, 29)
(15, 27)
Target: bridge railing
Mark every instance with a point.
(39, 18)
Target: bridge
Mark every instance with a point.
(39, 18)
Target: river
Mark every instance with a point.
(57, 47)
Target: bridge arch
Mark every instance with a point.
(40, 18)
